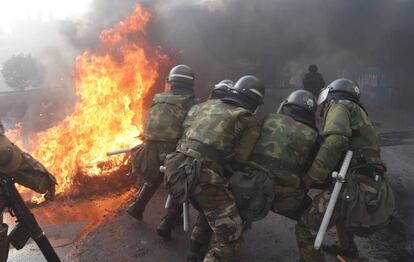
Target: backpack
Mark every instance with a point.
(254, 194)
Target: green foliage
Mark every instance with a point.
(22, 71)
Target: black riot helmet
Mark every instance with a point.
(220, 90)
(341, 89)
(248, 92)
(301, 106)
(313, 68)
(302, 99)
(181, 76)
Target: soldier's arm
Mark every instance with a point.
(248, 131)
(336, 133)
(24, 169)
(10, 156)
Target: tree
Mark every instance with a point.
(22, 71)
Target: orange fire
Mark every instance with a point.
(111, 86)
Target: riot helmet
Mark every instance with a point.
(248, 92)
(301, 106)
(302, 99)
(221, 89)
(340, 89)
(181, 77)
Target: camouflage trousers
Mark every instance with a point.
(364, 205)
(309, 224)
(218, 215)
(201, 236)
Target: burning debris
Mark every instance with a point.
(112, 86)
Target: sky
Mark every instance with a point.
(45, 10)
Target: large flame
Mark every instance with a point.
(112, 86)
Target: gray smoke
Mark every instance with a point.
(274, 39)
(84, 33)
(268, 37)
(38, 109)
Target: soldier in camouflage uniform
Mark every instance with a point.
(27, 172)
(222, 135)
(366, 201)
(289, 140)
(218, 92)
(166, 225)
(162, 129)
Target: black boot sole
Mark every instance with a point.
(164, 234)
(136, 216)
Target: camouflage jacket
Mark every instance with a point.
(192, 113)
(10, 155)
(285, 148)
(230, 130)
(23, 168)
(166, 116)
(346, 127)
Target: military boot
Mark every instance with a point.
(197, 251)
(350, 252)
(170, 220)
(167, 224)
(345, 245)
(305, 240)
(136, 209)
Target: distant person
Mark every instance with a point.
(313, 81)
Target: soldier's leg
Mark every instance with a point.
(136, 209)
(169, 220)
(308, 226)
(146, 163)
(200, 239)
(219, 207)
(148, 166)
(345, 245)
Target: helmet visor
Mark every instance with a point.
(323, 95)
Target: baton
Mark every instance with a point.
(340, 179)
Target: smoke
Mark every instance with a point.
(268, 37)
(273, 39)
(38, 109)
(84, 33)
